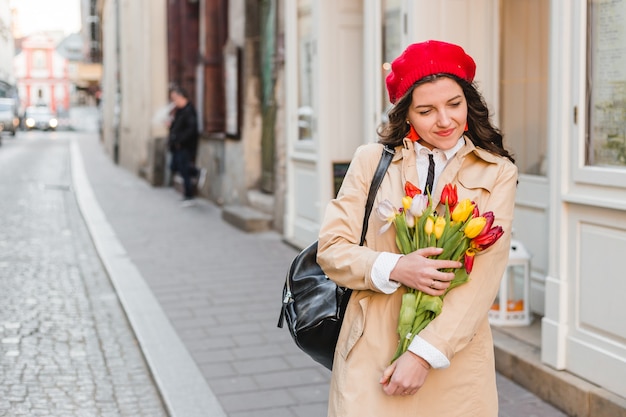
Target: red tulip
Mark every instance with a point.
(411, 190)
(469, 260)
(484, 240)
(476, 212)
(449, 195)
(489, 216)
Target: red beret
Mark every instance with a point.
(427, 58)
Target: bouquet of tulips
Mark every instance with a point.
(460, 230)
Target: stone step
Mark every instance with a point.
(246, 218)
(521, 363)
(261, 201)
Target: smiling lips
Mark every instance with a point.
(447, 132)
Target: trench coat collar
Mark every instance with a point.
(409, 161)
(409, 169)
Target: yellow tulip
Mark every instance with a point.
(462, 210)
(406, 202)
(474, 227)
(439, 227)
(429, 226)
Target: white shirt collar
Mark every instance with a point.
(419, 148)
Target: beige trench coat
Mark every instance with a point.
(368, 337)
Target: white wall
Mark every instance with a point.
(143, 77)
(7, 50)
(583, 330)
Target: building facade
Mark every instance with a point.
(134, 83)
(228, 53)
(7, 51)
(42, 74)
(228, 56)
(553, 74)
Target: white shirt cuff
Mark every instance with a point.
(383, 265)
(429, 353)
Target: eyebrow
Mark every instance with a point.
(430, 105)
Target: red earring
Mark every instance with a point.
(466, 127)
(413, 136)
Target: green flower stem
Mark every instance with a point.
(460, 277)
(402, 234)
(460, 249)
(423, 241)
(451, 246)
(449, 232)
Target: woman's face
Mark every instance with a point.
(438, 113)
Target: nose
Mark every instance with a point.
(443, 119)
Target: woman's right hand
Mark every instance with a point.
(416, 270)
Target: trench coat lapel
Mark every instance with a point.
(409, 160)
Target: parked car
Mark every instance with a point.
(40, 117)
(9, 120)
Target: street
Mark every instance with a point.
(67, 346)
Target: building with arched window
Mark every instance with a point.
(42, 74)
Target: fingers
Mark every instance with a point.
(405, 376)
(438, 275)
(430, 251)
(384, 380)
(417, 270)
(443, 264)
(436, 264)
(435, 282)
(434, 287)
(391, 387)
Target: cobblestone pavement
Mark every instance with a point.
(66, 348)
(221, 289)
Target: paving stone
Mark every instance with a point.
(273, 412)
(65, 341)
(290, 378)
(256, 401)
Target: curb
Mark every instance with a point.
(184, 390)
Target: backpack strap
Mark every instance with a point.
(379, 174)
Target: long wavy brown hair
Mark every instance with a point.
(481, 132)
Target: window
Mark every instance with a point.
(392, 44)
(39, 59)
(606, 84)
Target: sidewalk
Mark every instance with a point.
(220, 290)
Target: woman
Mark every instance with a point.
(449, 367)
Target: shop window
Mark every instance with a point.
(524, 83)
(606, 84)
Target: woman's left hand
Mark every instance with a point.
(405, 376)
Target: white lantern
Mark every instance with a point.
(511, 306)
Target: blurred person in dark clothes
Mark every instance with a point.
(183, 141)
